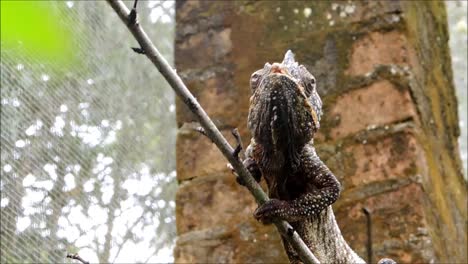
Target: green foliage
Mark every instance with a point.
(38, 26)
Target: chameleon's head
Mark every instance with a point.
(285, 108)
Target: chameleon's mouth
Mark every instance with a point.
(278, 68)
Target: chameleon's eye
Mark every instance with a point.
(255, 79)
(308, 80)
(310, 85)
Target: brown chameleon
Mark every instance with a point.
(284, 115)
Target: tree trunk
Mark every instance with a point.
(389, 130)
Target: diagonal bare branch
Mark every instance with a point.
(211, 130)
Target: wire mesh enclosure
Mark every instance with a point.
(87, 145)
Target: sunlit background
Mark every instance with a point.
(88, 132)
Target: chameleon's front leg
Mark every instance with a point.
(323, 189)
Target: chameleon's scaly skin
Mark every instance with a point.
(284, 115)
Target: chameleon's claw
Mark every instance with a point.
(251, 167)
(229, 165)
(270, 210)
(239, 180)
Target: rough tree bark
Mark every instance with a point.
(389, 130)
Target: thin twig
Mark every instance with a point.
(239, 147)
(369, 234)
(77, 257)
(138, 50)
(132, 17)
(201, 131)
(211, 130)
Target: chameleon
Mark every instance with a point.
(284, 115)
